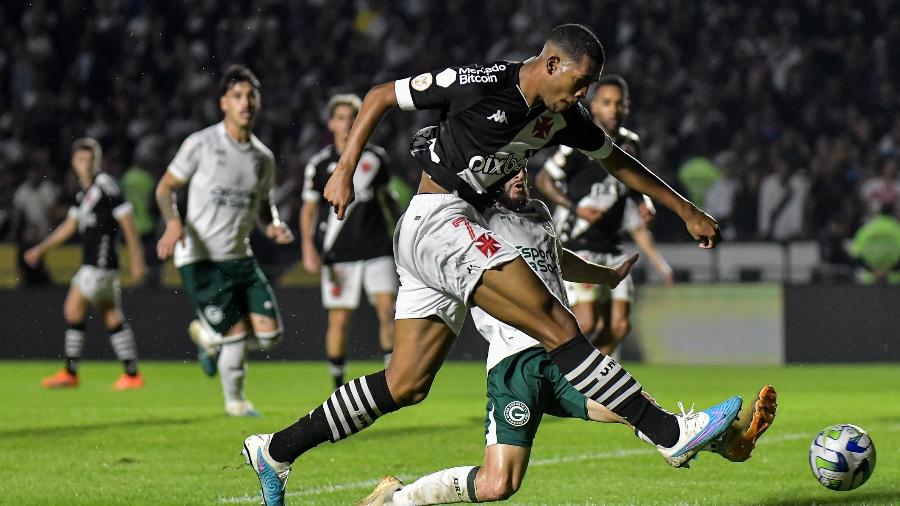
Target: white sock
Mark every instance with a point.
(232, 368)
(452, 485)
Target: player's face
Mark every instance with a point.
(83, 163)
(608, 107)
(568, 82)
(341, 120)
(515, 192)
(239, 104)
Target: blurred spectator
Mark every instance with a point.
(139, 187)
(782, 202)
(720, 198)
(881, 190)
(697, 175)
(877, 246)
(33, 204)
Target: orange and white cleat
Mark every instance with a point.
(739, 441)
(62, 379)
(126, 382)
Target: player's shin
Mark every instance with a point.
(350, 409)
(602, 379)
(448, 486)
(74, 346)
(123, 344)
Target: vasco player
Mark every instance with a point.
(592, 210)
(229, 173)
(333, 246)
(99, 214)
(493, 117)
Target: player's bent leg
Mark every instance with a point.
(267, 331)
(124, 345)
(335, 343)
(74, 311)
(738, 442)
(502, 472)
(232, 365)
(385, 307)
(619, 326)
(420, 347)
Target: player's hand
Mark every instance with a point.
(624, 268)
(280, 233)
(647, 214)
(311, 261)
(339, 191)
(591, 214)
(703, 228)
(174, 234)
(33, 256)
(138, 272)
(668, 277)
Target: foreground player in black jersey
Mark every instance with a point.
(493, 117)
(99, 214)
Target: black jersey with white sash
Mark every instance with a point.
(487, 132)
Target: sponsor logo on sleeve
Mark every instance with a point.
(446, 78)
(421, 82)
(480, 74)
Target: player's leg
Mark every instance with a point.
(380, 282)
(108, 306)
(513, 294)
(617, 322)
(341, 290)
(74, 311)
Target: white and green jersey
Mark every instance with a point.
(227, 181)
(531, 231)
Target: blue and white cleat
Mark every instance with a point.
(206, 351)
(272, 475)
(698, 429)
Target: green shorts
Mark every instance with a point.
(520, 389)
(224, 293)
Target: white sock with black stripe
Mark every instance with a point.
(351, 408)
(74, 346)
(448, 486)
(123, 344)
(602, 379)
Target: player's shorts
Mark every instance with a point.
(585, 292)
(224, 293)
(98, 285)
(520, 389)
(442, 245)
(343, 282)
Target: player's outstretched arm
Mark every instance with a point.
(339, 189)
(578, 270)
(135, 250)
(625, 168)
(62, 234)
(165, 200)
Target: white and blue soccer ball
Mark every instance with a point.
(842, 457)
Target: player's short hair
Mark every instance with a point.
(90, 144)
(237, 74)
(577, 41)
(349, 99)
(612, 80)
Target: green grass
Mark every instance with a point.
(171, 444)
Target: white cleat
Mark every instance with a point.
(272, 475)
(697, 429)
(242, 408)
(383, 493)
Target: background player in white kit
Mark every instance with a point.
(230, 174)
(334, 247)
(99, 214)
(523, 382)
(592, 211)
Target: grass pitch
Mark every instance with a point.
(171, 444)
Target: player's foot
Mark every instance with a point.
(206, 351)
(126, 382)
(62, 379)
(382, 493)
(739, 440)
(698, 429)
(240, 408)
(272, 475)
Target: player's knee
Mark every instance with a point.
(565, 326)
(498, 489)
(620, 328)
(72, 315)
(409, 392)
(270, 339)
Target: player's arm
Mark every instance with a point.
(553, 171)
(168, 212)
(578, 270)
(125, 217)
(276, 229)
(62, 234)
(339, 189)
(643, 238)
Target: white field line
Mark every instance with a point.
(549, 461)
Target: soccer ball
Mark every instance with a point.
(842, 457)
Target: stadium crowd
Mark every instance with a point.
(780, 118)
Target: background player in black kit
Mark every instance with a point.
(333, 246)
(99, 213)
(593, 210)
(493, 118)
